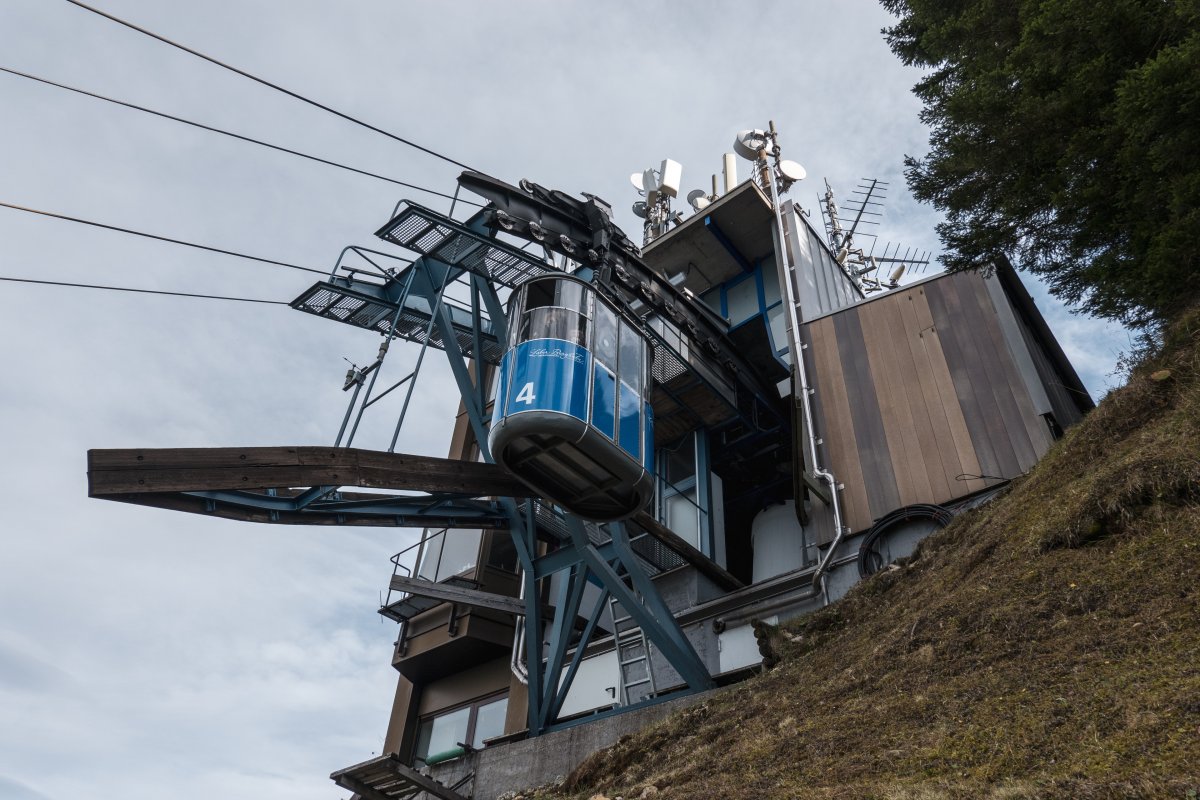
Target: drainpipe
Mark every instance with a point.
(799, 370)
(517, 664)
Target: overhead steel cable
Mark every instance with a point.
(274, 86)
(144, 291)
(239, 136)
(156, 237)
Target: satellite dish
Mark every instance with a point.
(698, 199)
(747, 143)
(636, 180)
(639, 208)
(792, 170)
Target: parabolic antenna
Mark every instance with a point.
(639, 208)
(636, 180)
(792, 170)
(698, 199)
(747, 143)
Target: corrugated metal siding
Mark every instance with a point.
(824, 285)
(919, 393)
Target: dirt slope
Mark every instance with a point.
(1047, 645)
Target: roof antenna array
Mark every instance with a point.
(863, 266)
(657, 186)
(756, 145)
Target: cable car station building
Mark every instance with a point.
(655, 448)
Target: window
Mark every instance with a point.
(442, 735)
(489, 721)
(447, 553)
(502, 552)
(678, 506)
(555, 309)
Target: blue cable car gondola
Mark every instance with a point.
(572, 417)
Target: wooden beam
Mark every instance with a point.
(675, 542)
(232, 468)
(458, 594)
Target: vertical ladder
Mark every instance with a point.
(635, 678)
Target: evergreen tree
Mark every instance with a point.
(1065, 133)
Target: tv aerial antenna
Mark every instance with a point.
(872, 273)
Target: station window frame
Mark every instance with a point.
(695, 488)
(471, 736)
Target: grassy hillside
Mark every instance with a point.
(1047, 645)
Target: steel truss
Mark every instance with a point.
(452, 251)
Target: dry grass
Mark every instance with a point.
(1045, 646)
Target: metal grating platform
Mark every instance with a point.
(339, 300)
(432, 234)
(386, 778)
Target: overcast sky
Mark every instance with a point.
(145, 653)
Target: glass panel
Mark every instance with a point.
(572, 295)
(431, 555)
(489, 721)
(778, 323)
(712, 299)
(680, 460)
(743, 300)
(604, 402)
(630, 368)
(516, 313)
(460, 553)
(770, 280)
(503, 552)
(551, 322)
(683, 516)
(604, 340)
(442, 733)
(629, 421)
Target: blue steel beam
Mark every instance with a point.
(652, 615)
(566, 610)
(405, 505)
(589, 630)
(712, 227)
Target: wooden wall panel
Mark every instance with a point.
(835, 424)
(882, 492)
(1022, 415)
(904, 336)
(945, 412)
(903, 445)
(996, 456)
(917, 391)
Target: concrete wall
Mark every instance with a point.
(535, 762)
